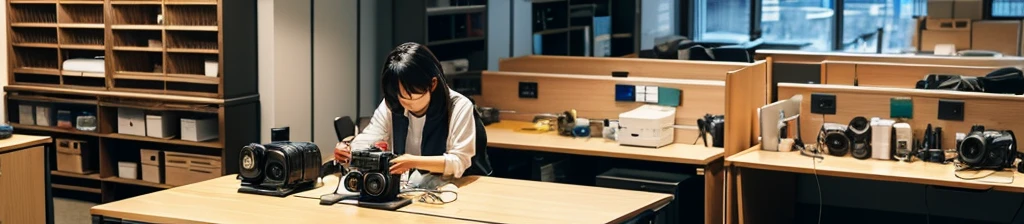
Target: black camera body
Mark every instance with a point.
(278, 168)
(859, 133)
(715, 125)
(833, 139)
(988, 149)
(371, 176)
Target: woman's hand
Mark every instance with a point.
(342, 152)
(404, 163)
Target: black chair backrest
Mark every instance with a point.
(344, 127)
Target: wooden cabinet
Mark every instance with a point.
(22, 180)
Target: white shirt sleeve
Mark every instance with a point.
(378, 129)
(461, 138)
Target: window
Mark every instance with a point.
(1007, 8)
(804, 24)
(864, 20)
(722, 21)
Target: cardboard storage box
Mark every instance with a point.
(942, 9)
(26, 114)
(199, 130)
(131, 121)
(186, 168)
(967, 9)
(73, 156)
(44, 115)
(162, 125)
(1001, 36)
(930, 38)
(150, 160)
(128, 170)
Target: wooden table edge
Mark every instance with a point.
(665, 158)
(660, 203)
(40, 141)
(729, 160)
(871, 176)
(149, 218)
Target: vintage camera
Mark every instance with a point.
(278, 168)
(832, 138)
(372, 177)
(859, 133)
(988, 149)
(715, 125)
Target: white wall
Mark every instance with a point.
(335, 59)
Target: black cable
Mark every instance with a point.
(821, 204)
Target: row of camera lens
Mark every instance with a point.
(886, 139)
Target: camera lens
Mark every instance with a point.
(275, 171)
(353, 181)
(375, 184)
(837, 144)
(972, 150)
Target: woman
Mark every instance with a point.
(432, 127)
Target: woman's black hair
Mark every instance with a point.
(413, 65)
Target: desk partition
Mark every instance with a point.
(884, 74)
(636, 67)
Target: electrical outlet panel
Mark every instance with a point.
(528, 90)
(901, 107)
(823, 103)
(647, 94)
(626, 93)
(952, 110)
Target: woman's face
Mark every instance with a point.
(415, 102)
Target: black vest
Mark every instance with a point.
(435, 136)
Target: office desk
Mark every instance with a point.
(481, 199)
(24, 196)
(917, 172)
(509, 135)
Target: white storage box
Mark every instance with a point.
(199, 130)
(26, 115)
(150, 165)
(211, 68)
(162, 126)
(127, 170)
(44, 114)
(131, 121)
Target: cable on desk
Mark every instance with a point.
(433, 195)
(814, 164)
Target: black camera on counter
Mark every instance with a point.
(278, 168)
(833, 139)
(371, 176)
(714, 125)
(988, 149)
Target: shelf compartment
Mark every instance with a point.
(87, 82)
(137, 27)
(81, 2)
(37, 71)
(33, 1)
(93, 176)
(81, 25)
(190, 2)
(21, 96)
(196, 79)
(132, 61)
(142, 49)
(189, 63)
(138, 38)
(191, 15)
(193, 89)
(37, 79)
(33, 13)
(150, 105)
(90, 14)
(135, 14)
(136, 2)
(456, 27)
(82, 74)
(136, 182)
(35, 58)
(33, 36)
(192, 28)
(140, 76)
(91, 37)
(76, 188)
(182, 41)
(36, 25)
(36, 45)
(55, 130)
(214, 144)
(136, 85)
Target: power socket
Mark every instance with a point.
(952, 110)
(528, 90)
(823, 103)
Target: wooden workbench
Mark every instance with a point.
(481, 199)
(509, 135)
(23, 179)
(756, 205)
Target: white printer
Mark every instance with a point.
(648, 126)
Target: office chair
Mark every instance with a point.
(344, 127)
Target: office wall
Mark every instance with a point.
(335, 60)
(375, 44)
(3, 57)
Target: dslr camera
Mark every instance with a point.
(833, 139)
(371, 175)
(278, 168)
(715, 125)
(988, 149)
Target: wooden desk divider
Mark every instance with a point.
(806, 57)
(738, 96)
(884, 74)
(995, 111)
(637, 67)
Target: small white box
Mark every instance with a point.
(26, 115)
(131, 121)
(211, 68)
(128, 170)
(162, 126)
(43, 116)
(199, 130)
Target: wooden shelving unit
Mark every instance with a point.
(155, 55)
(457, 31)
